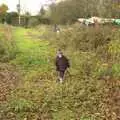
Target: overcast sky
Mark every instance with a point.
(32, 6)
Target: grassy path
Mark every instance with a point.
(33, 53)
(35, 60)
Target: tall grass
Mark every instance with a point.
(8, 48)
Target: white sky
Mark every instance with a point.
(33, 6)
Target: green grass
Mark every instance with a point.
(33, 52)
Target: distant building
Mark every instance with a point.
(58, 1)
(15, 21)
(95, 20)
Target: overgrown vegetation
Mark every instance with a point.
(8, 48)
(91, 92)
(94, 57)
(8, 73)
(29, 89)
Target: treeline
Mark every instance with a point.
(27, 19)
(69, 10)
(65, 12)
